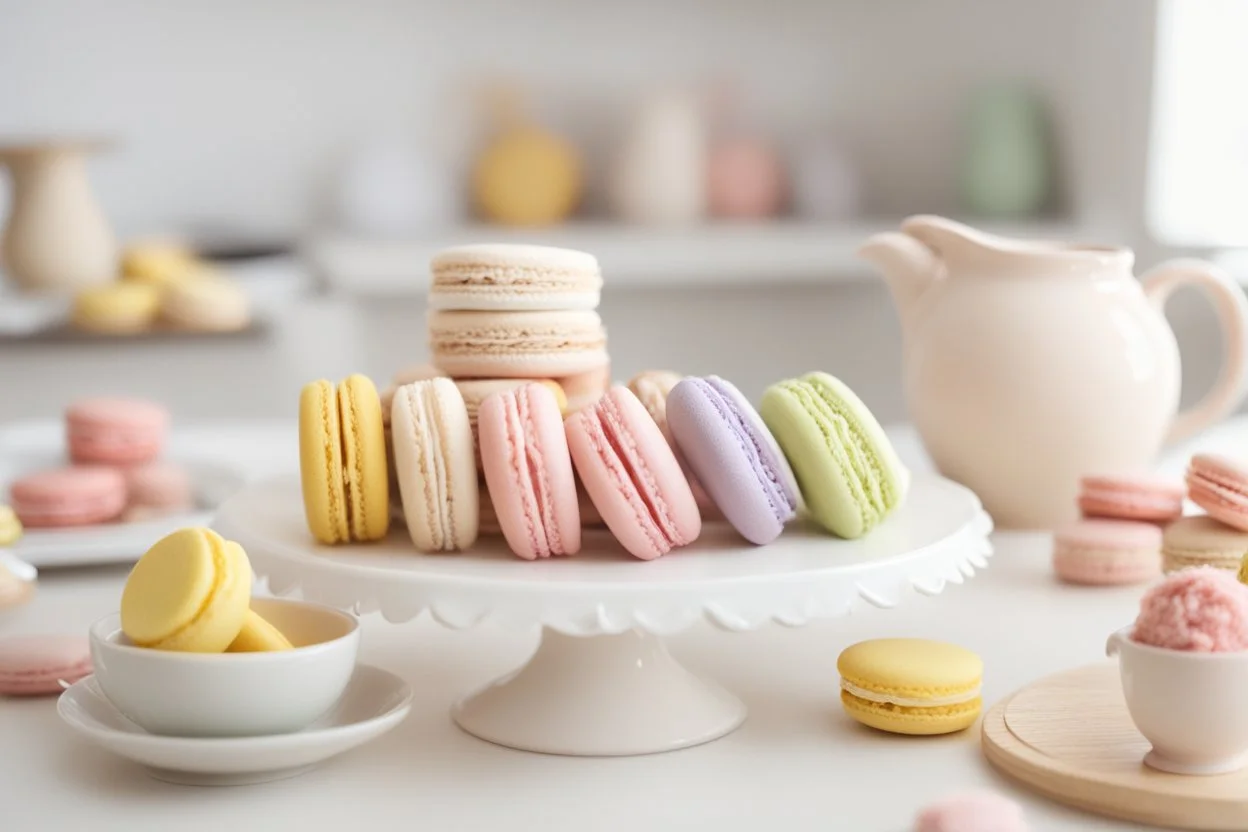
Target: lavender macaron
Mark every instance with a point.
(726, 445)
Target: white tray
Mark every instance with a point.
(619, 692)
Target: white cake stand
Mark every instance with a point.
(602, 682)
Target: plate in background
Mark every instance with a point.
(25, 448)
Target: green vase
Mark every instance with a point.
(1006, 169)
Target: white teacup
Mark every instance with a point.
(1192, 707)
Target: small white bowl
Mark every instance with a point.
(1190, 706)
(232, 694)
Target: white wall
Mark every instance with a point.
(232, 112)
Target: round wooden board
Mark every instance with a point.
(1070, 738)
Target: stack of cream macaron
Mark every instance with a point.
(503, 316)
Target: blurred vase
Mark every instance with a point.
(1006, 169)
(389, 189)
(57, 238)
(658, 176)
(744, 179)
(825, 182)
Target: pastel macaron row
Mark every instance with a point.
(635, 471)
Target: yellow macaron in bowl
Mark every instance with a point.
(192, 653)
(241, 694)
(911, 685)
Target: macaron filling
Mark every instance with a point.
(875, 492)
(761, 454)
(878, 698)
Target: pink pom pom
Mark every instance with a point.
(1203, 610)
(972, 812)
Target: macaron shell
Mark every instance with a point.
(513, 277)
(64, 497)
(1131, 497)
(545, 344)
(115, 431)
(320, 464)
(433, 452)
(159, 485)
(366, 470)
(1201, 540)
(189, 592)
(848, 473)
(258, 636)
(10, 526)
(529, 472)
(632, 476)
(1103, 552)
(35, 665)
(749, 482)
(1219, 485)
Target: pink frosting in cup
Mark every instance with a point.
(1201, 610)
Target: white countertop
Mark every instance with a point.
(798, 763)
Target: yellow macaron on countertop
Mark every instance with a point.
(191, 592)
(911, 686)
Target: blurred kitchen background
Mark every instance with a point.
(723, 158)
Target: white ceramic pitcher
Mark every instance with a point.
(1030, 364)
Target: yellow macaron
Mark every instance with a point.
(10, 526)
(158, 262)
(911, 685)
(342, 461)
(116, 308)
(258, 636)
(189, 592)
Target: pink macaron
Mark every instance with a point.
(524, 453)
(36, 665)
(78, 496)
(632, 475)
(1107, 552)
(157, 489)
(1131, 497)
(112, 431)
(1220, 486)
(972, 812)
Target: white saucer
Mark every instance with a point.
(375, 701)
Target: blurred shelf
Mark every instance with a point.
(62, 333)
(716, 254)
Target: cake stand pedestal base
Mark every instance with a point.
(600, 696)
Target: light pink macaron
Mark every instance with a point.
(113, 431)
(972, 812)
(632, 475)
(1220, 486)
(158, 488)
(1107, 552)
(1131, 497)
(36, 665)
(524, 453)
(77, 496)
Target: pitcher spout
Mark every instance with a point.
(909, 267)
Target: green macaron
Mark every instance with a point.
(848, 473)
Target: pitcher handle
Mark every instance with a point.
(1232, 310)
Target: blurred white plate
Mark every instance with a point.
(30, 447)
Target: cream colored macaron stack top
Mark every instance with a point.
(502, 316)
(519, 312)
